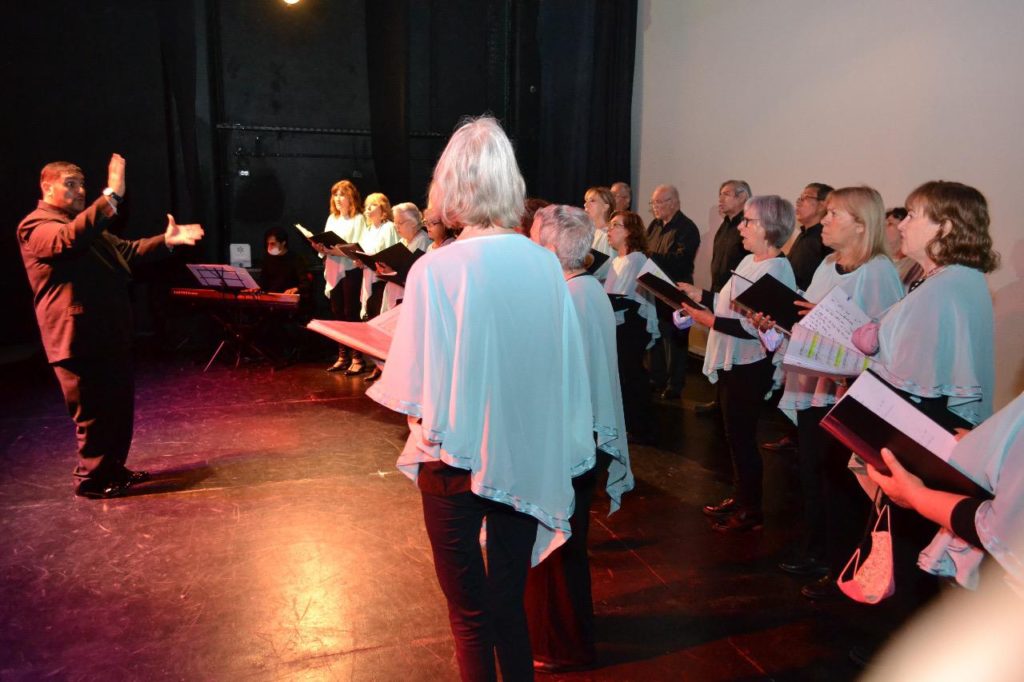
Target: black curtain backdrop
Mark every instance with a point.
(587, 55)
(240, 114)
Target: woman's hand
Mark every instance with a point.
(900, 486)
(761, 321)
(805, 307)
(383, 269)
(690, 290)
(700, 315)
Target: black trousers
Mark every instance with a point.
(741, 392)
(373, 303)
(631, 338)
(669, 355)
(100, 396)
(559, 602)
(345, 303)
(835, 506)
(485, 603)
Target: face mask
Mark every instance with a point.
(871, 581)
(274, 250)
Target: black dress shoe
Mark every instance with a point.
(134, 477)
(822, 589)
(804, 566)
(95, 490)
(709, 407)
(671, 394)
(340, 365)
(373, 375)
(739, 521)
(723, 508)
(787, 442)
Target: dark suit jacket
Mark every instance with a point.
(79, 274)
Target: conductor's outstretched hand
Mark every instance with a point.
(182, 235)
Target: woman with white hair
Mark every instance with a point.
(559, 603)
(409, 225)
(487, 363)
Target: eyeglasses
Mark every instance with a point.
(659, 202)
(806, 197)
(747, 221)
(616, 226)
(432, 223)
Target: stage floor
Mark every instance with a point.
(277, 542)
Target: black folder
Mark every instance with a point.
(328, 239)
(771, 297)
(862, 430)
(396, 257)
(666, 292)
(599, 259)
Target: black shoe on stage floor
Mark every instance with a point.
(804, 566)
(340, 365)
(787, 442)
(739, 521)
(822, 589)
(723, 508)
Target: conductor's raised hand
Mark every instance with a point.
(182, 235)
(115, 174)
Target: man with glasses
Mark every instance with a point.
(807, 251)
(805, 255)
(672, 243)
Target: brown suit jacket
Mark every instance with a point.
(79, 274)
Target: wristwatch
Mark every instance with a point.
(111, 194)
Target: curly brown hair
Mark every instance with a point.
(965, 210)
(636, 231)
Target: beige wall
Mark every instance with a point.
(888, 93)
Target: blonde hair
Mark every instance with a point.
(477, 180)
(385, 205)
(865, 205)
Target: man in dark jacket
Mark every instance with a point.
(672, 243)
(80, 275)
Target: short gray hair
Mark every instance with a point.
(477, 180)
(737, 186)
(409, 208)
(671, 189)
(777, 217)
(568, 231)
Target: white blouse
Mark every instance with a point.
(874, 287)
(374, 240)
(349, 229)
(488, 354)
(621, 281)
(724, 350)
(597, 322)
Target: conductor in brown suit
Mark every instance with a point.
(80, 276)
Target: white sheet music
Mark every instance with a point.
(811, 352)
(894, 409)
(652, 267)
(223, 276)
(836, 316)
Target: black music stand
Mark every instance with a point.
(231, 279)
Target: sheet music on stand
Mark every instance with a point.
(216, 276)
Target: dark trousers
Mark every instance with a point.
(559, 603)
(669, 355)
(100, 397)
(345, 304)
(631, 338)
(741, 392)
(374, 301)
(835, 506)
(485, 604)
